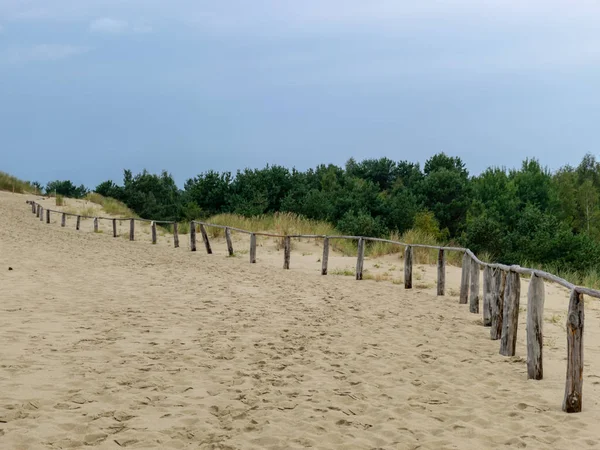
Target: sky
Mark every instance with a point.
(91, 87)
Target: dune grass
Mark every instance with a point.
(13, 184)
(110, 205)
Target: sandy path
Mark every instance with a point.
(110, 344)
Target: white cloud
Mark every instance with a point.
(108, 26)
(41, 52)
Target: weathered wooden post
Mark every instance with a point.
(114, 223)
(408, 260)
(441, 273)
(193, 236)
(176, 234)
(78, 223)
(252, 248)
(131, 229)
(535, 335)
(95, 224)
(474, 295)
(63, 220)
(574, 384)
(498, 287)
(229, 243)
(42, 214)
(325, 258)
(287, 250)
(37, 211)
(464, 280)
(33, 207)
(153, 231)
(487, 296)
(205, 239)
(47, 216)
(510, 321)
(360, 257)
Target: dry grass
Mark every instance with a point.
(110, 205)
(13, 184)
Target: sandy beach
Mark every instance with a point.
(109, 343)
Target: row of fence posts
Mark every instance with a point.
(501, 296)
(39, 211)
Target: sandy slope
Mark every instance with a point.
(109, 344)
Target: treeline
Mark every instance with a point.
(518, 216)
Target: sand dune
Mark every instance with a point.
(109, 343)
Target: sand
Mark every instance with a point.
(109, 343)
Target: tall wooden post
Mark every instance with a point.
(176, 235)
(487, 296)
(153, 231)
(78, 223)
(96, 225)
(229, 242)
(33, 207)
(287, 250)
(47, 216)
(63, 220)
(510, 321)
(325, 258)
(408, 262)
(193, 236)
(114, 224)
(41, 214)
(535, 335)
(205, 239)
(574, 384)
(360, 258)
(497, 303)
(474, 294)
(252, 248)
(37, 211)
(131, 229)
(441, 273)
(464, 280)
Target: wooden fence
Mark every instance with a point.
(501, 291)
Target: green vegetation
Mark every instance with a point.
(527, 216)
(110, 205)
(13, 184)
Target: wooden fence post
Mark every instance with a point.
(287, 250)
(474, 296)
(464, 280)
(41, 214)
(153, 231)
(441, 273)
(193, 236)
(37, 210)
(360, 257)
(229, 243)
(131, 229)
(78, 223)
(47, 216)
(408, 260)
(499, 284)
(176, 234)
(535, 335)
(33, 207)
(574, 383)
(63, 220)
(205, 239)
(510, 321)
(487, 296)
(95, 224)
(114, 223)
(325, 258)
(252, 248)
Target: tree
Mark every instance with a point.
(66, 188)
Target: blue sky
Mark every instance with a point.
(88, 88)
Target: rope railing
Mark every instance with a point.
(501, 290)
